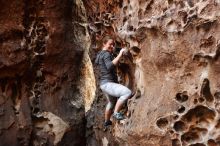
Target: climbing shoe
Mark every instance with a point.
(118, 116)
(107, 123)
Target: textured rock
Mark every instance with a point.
(175, 68)
(43, 52)
(47, 85)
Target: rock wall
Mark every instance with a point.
(43, 61)
(174, 67)
(48, 91)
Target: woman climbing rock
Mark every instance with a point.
(116, 93)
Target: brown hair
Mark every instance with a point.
(106, 38)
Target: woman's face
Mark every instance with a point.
(109, 45)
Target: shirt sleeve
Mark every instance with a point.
(108, 61)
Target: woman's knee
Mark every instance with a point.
(126, 96)
(129, 93)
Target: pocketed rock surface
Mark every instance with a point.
(175, 68)
(42, 65)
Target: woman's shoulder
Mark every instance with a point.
(106, 52)
(103, 53)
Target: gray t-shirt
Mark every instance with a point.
(106, 67)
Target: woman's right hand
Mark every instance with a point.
(121, 51)
(115, 61)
